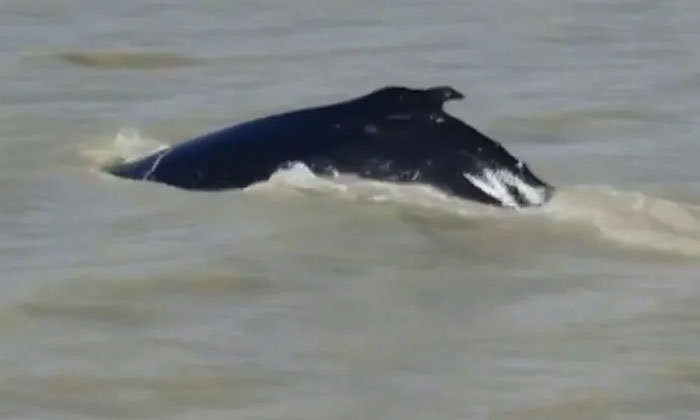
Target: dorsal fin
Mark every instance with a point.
(443, 94)
(404, 99)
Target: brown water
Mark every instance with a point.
(303, 298)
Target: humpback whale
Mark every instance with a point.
(395, 134)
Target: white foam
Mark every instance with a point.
(131, 145)
(298, 178)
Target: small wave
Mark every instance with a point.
(127, 59)
(629, 218)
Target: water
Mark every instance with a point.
(304, 298)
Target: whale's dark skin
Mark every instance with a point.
(393, 134)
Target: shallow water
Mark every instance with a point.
(305, 298)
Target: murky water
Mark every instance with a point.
(304, 298)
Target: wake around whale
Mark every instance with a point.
(394, 134)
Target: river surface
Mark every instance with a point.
(306, 298)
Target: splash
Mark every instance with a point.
(128, 145)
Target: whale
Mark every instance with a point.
(395, 134)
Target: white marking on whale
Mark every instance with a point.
(148, 174)
(496, 182)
